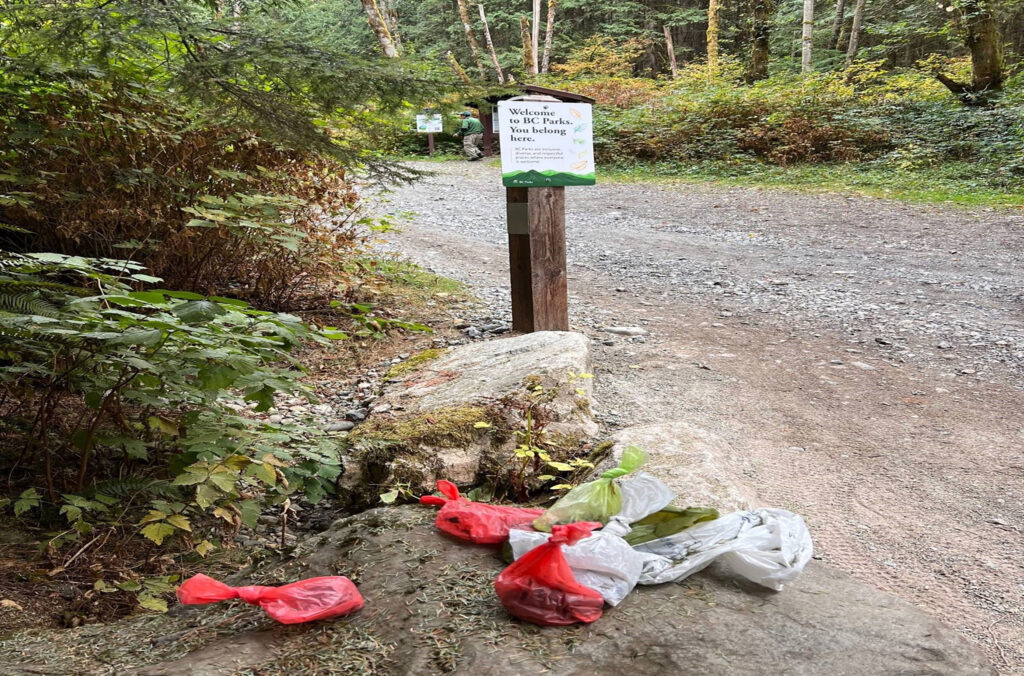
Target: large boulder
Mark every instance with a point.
(491, 370)
(455, 416)
(431, 607)
(695, 463)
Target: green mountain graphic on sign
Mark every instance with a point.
(542, 179)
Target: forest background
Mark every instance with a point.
(181, 225)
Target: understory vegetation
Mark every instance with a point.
(896, 134)
(180, 227)
(182, 231)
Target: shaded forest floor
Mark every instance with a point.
(863, 357)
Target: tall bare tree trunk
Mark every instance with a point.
(460, 72)
(761, 12)
(528, 55)
(490, 45)
(474, 48)
(858, 21)
(806, 37)
(535, 39)
(380, 29)
(671, 48)
(713, 8)
(549, 34)
(837, 23)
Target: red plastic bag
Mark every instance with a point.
(540, 586)
(318, 598)
(476, 521)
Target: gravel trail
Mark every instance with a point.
(863, 358)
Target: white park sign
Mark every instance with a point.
(546, 143)
(429, 124)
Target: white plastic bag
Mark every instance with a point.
(604, 561)
(767, 546)
(642, 495)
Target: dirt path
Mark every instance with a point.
(863, 358)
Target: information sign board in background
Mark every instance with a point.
(546, 143)
(429, 124)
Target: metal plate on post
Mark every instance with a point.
(518, 216)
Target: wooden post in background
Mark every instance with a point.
(430, 144)
(487, 120)
(537, 266)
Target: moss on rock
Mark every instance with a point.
(414, 363)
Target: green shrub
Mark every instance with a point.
(97, 169)
(98, 381)
(904, 119)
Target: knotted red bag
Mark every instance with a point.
(540, 587)
(318, 598)
(476, 521)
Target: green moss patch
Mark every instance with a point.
(443, 427)
(414, 363)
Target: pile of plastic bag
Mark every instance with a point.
(604, 537)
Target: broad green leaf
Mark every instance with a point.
(389, 497)
(153, 515)
(264, 398)
(198, 311)
(163, 425)
(189, 478)
(153, 603)
(206, 495)
(157, 532)
(250, 512)
(225, 481)
(204, 548)
(180, 522)
(214, 377)
(93, 399)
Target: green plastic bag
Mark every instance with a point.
(597, 500)
(668, 521)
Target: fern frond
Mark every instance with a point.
(25, 303)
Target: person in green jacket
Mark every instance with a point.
(472, 133)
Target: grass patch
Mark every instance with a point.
(960, 183)
(411, 285)
(414, 363)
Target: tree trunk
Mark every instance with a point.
(713, 8)
(549, 34)
(986, 46)
(761, 12)
(837, 23)
(535, 36)
(390, 14)
(460, 72)
(983, 39)
(806, 36)
(858, 20)
(490, 45)
(380, 29)
(671, 48)
(474, 48)
(528, 60)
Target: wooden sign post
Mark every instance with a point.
(536, 255)
(545, 146)
(429, 122)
